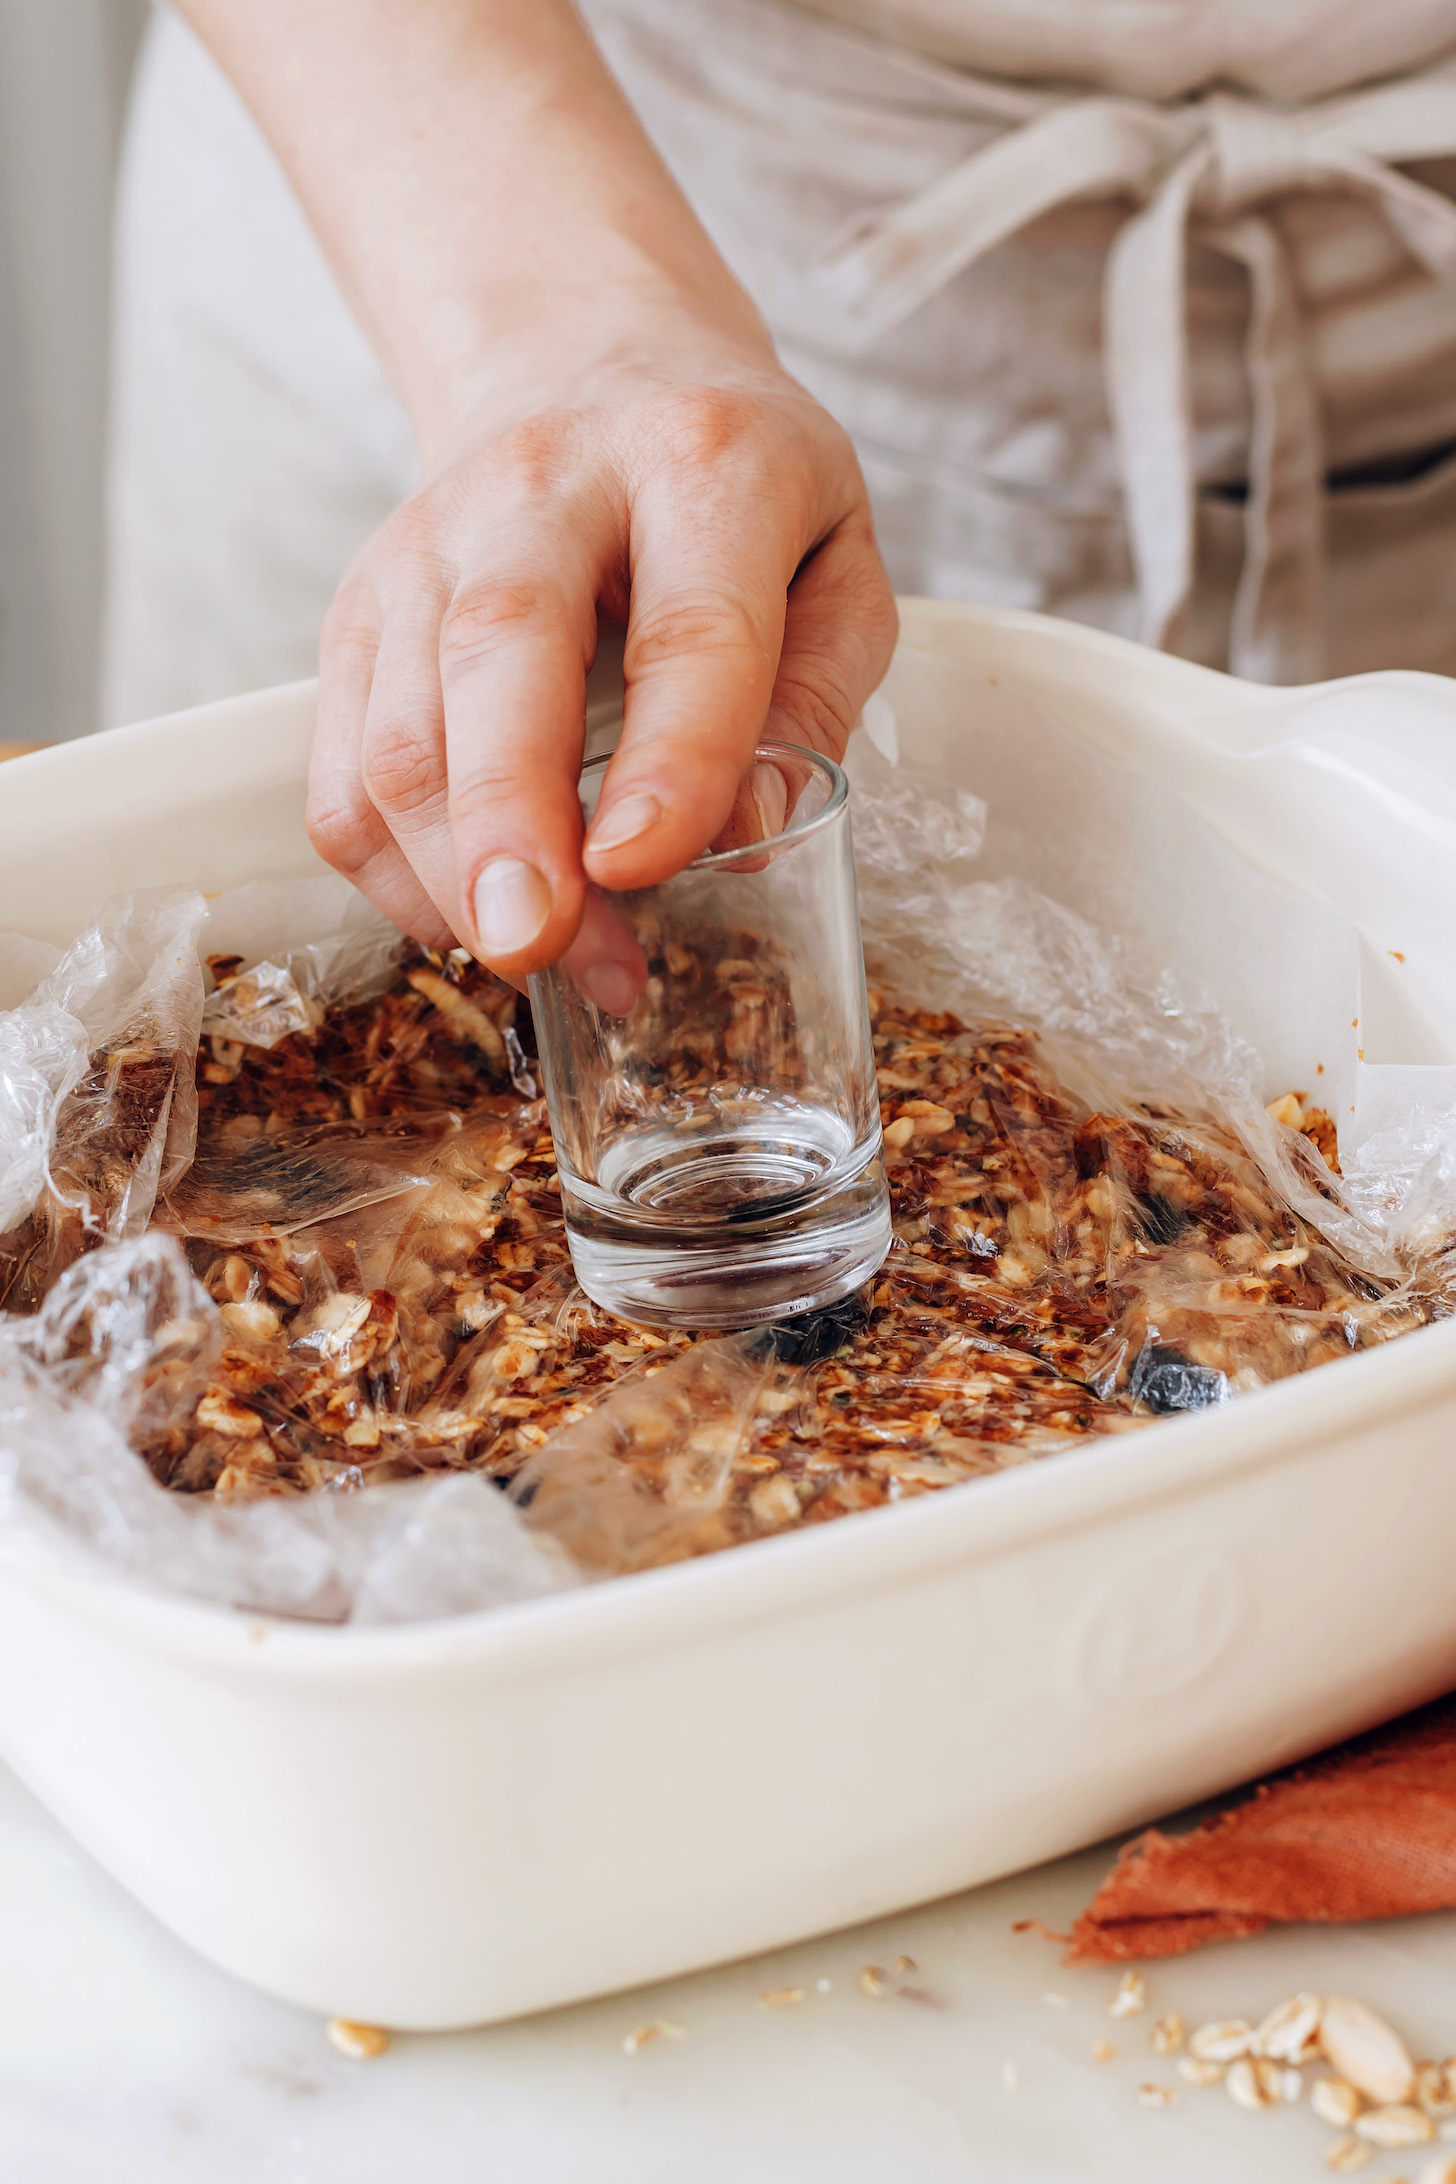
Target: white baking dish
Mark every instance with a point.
(440, 1824)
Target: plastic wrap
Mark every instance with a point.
(1098, 1221)
(112, 1366)
(98, 1103)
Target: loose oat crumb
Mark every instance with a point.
(1103, 2051)
(1398, 2124)
(1155, 2096)
(1223, 2041)
(1254, 2083)
(1166, 2036)
(781, 1998)
(1335, 2100)
(643, 2036)
(358, 2042)
(1198, 2071)
(1433, 2092)
(873, 1980)
(1291, 2033)
(1131, 1996)
(904, 1965)
(1347, 2153)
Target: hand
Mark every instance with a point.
(704, 501)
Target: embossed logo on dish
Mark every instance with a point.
(1159, 1628)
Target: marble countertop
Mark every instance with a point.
(124, 2057)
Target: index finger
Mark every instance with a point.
(714, 545)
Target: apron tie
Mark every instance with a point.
(1212, 161)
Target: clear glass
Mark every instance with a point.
(719, 1143)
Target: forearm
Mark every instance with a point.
(490, 205)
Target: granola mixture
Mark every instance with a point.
(374, 1206)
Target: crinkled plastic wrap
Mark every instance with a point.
(333, 1259)
(111, 1347)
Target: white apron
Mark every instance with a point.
(1181, 363)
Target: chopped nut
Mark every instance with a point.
(358, 2042)
(1223, 2041)
(1131, 1996)
(1155, 2096)
(1364, 2049)
(1335, 2100)
(1399, 2123)
(1166, 2036)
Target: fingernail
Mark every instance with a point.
(625, 821)
(609, 986)
(770, 792)
(512, 903)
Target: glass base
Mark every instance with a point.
(759, 1260)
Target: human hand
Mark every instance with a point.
(704, 501)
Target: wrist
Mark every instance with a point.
(585, 350)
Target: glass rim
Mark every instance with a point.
(797, 830)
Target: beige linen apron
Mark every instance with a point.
(1175, 360)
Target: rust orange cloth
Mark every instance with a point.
(1367, 1831)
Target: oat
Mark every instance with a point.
(642, 2036)
(903, 1966)
(1398, 2124)
(1223, 2041)
(1155, 2096)
(1131, 1996)
(781, 1998)
(874, 1981)
(1348, 2153)
(1336, 2101)
(1199, 2072)
(1290, 2033)
(1365, 2050)
(1252, 2081)
(1166, 2036)
(1103, 2051)
(218, 1413)
(1433, 2089)
(1048, 1262)
(358, 2042)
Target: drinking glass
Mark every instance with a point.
(718, 1143)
